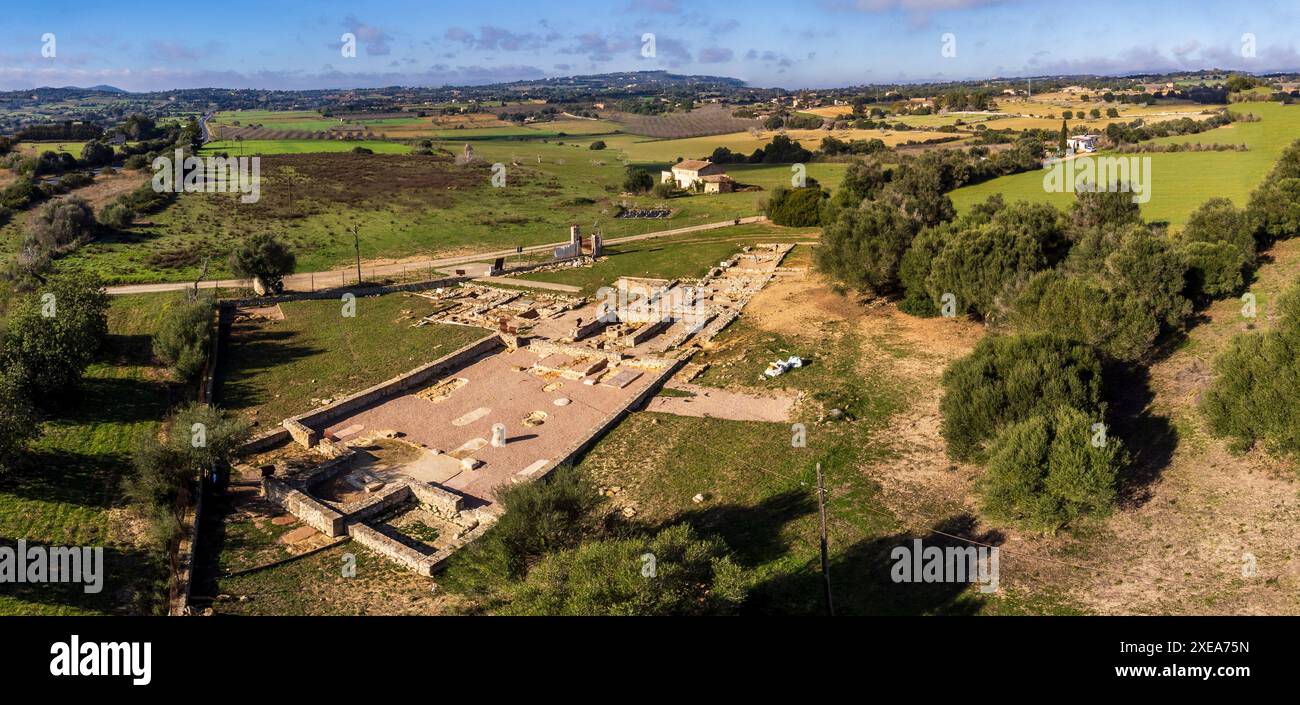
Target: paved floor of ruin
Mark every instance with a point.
(496, 391)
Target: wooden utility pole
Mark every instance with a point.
(826, 568)
(356, 243)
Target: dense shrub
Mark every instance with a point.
(666, 189)
(116, 215)
(1051, 468)
(1150, 269)
(673, 573)
(978, 265)
(1214, 269)
(797, 208)
(543, 517)
(598, 145)
(20, 194)
(1101, 207)
(199, 439)
(62, 225)
(1255, 396)
(920, 193)
(1218, 220)
(861, 180)
(865, 245)
(638, 180)
(1274, 210)
(145, 199)
(782, 150)
(1008, 379)
(96, 154)
(182, 338)
(18, 422)
(1083, 308)
(914, 271)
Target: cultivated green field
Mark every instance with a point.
(36, 148)
(71, 493)
(276, 119)
(1180, 181)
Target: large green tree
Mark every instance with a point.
(865, 245)
(53, 334)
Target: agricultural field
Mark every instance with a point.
(31, 149)
(638, 149)
(300, 120)
(409, 206)
(300, 146)
(71, 492)
(1180, 181)
(707, 120)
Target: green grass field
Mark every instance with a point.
(272, 370)
(1180, 181)
(71, 494)
(276, 119)
(32, 149)
(571, 184)
(686, 257)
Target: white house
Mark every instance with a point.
(1081, 144)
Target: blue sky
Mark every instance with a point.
(804, 43)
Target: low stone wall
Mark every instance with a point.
(324, 472)
(264, 441)
(378, 503)
(392, 549)
(437, 559)
(305, 428)
(337, 293)
(542, 348)
(438, 499)
(309, 511)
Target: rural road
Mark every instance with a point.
(307, 281)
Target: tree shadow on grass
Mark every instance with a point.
(248, 352)
(862, 582)
(98, 401)
(1150, 439)
(67, 477)
(121, 349)
(752, 533)
(132, 581)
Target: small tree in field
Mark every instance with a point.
(199, 439)
(265, 260)
(182, 338)
(638, 180)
